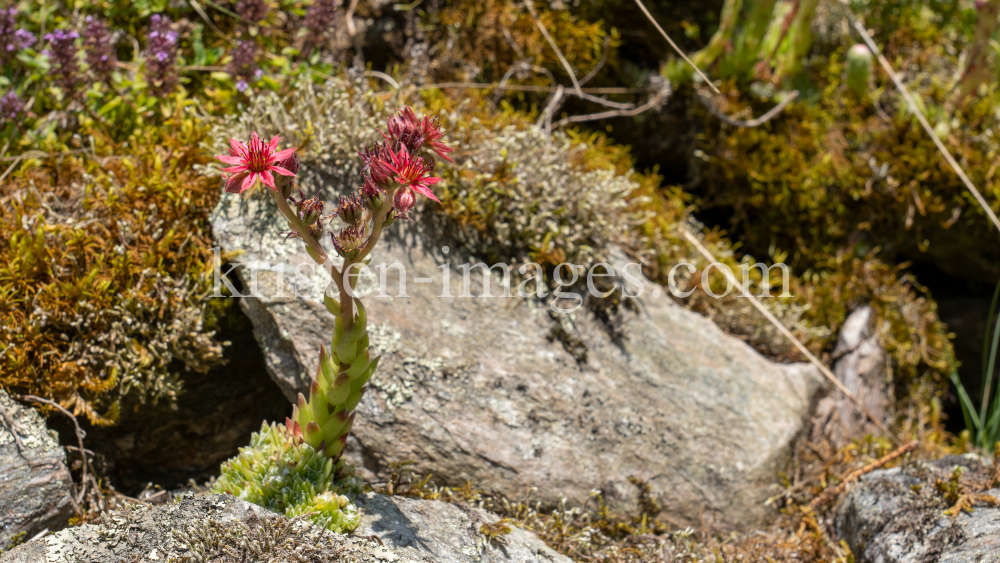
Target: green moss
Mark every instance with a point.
(104, 259)
(291, 478)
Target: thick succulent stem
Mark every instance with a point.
(976, 68)
(748, 45)
(324, 421)
(722, 37)
(799, 40)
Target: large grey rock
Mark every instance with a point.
(34, 482)
(482, 390)
(210, 527)
(897, 515)
(859, 362)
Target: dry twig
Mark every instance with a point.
(655, 101)
(771, 113)
(552, 43)
(79, 437)
(13, 428)
(831, 494)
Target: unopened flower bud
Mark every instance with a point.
(350, 210)
(284, 183)
(404, 200)
(374, 159)
(349, 242)
(372, 196)
(310, 210)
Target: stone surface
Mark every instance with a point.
(897, 515)
(859, 363)
(35, 486)
(481, 390)
(204, 528)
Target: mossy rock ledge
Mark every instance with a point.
(224, 528)
(480, 390)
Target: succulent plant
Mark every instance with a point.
(285, 475)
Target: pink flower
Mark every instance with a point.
(406, 127)
(254, 160)
(411, 172)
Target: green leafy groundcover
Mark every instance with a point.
(289, 477)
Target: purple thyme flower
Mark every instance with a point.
(62, 53)
(161, 54)
(11, 107)
(243, 66)
(12, 38)
(252, 10)
(320, 17)
(98, 43)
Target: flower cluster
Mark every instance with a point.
(11, 107)
(62, 53)
(243, 64)
(12, 38)
(253, 11)
(100, 48)
(319, 18)
(394, 171)
(161, 53)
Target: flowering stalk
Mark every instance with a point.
(393, 174)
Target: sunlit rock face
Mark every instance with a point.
(483, 390)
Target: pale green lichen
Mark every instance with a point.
(292, 479)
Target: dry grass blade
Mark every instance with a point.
(791, 337)
(676, 48)
(552, 43)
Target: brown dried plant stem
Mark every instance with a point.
(791, 337)
(771, 114)
(922, 119)
(78, 501)
(552, 43)
(831, 494)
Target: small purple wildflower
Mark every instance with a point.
(161, 54)
(11, 107)
(62, 53)
(12, 38)
(319, 18)
(98, 43)
(243, 66)
(252, 10)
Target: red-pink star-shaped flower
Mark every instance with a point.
(429, 129)
(253, 160)
(411, 171)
